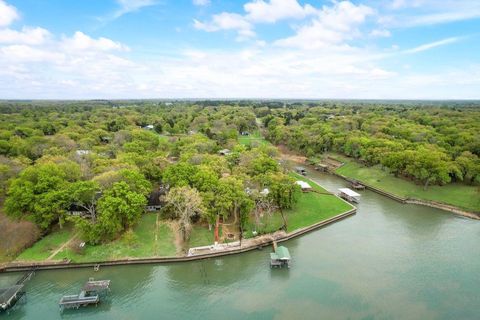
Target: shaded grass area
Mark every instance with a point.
(254, 139)
(201, 236)
(43, 248)
(459, 195)
(141, 244)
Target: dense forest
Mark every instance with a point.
(429, 144)
(108, 156)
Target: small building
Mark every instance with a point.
(301, 170)
(244, 133)
(149, 127)
(77, 210)
(349, 195)
(224, 152)
(281, 257)
(305, 186)
(156, 200)
(82, 152)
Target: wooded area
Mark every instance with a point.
(106, 157)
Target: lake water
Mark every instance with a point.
(390, 261)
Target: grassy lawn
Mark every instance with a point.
(201, 236)
(144, 244)
(43, 248)
(313, 207)
(255, 137)
(459, 195)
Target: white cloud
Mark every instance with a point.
(380, 33)
(8, 14)
(227, 21)
(32, 36)
(81, 41)
(432, 45)
(201, 2)
(414, 13)
(127, 6)
(333, 25)
(274, 10)
(25, 53)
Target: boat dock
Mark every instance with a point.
(9, 296)
(280, 257)
(349, 195)
(90, 294)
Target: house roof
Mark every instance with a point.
(349, 192)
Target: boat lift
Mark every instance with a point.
(91, 293)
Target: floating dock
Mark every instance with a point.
(9, 296)
(90, 294)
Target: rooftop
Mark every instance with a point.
(349, 192)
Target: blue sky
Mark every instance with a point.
(375, 49)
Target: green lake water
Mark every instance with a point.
(390, 261)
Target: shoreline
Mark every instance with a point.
(427, 203)
(260, 242)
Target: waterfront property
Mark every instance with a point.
(349, 195)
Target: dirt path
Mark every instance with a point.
(63, 246)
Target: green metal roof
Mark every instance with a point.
(282, 253)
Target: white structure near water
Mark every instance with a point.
(304, 185)
(349, 195)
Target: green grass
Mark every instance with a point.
(459, 195)
(255, 137)
(201, 236)
(143, 246)
(313, 207)
(43, 248)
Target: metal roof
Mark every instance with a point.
(303, 184)
(349, 192)
(282, 253)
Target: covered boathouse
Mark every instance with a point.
(281, 257)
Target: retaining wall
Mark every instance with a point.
(12, 267)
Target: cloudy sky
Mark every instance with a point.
(397, 49)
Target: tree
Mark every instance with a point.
(117, 210)
(85, 195)
(40, 193)
(186, 202)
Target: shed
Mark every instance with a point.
(304, 185)
(149, 127)
(156, 199)
(349, 195)
(281, 257)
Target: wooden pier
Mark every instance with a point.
(9, 296)
(91, 293)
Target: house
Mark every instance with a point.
(77, 210)
(156, 200)
(82, 152)
(224, 152)
(305, 186)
